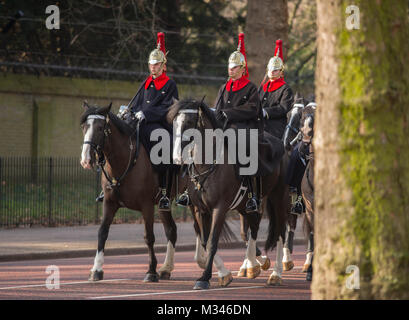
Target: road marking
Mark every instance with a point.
(63, 283)
(173, 292)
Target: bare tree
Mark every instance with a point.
(267, 21)
(362, 152)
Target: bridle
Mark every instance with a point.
(114, 183)
(198, 178)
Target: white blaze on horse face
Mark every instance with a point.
(86, 148)
(177, 133)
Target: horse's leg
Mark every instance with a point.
(109, 210)
(170, 231)
(200, 252)
(275, 277)
(218, 218)
(148, 216)
(288, 263)
(310, 252)
(253, 266)
(263, 261)
(244, 227)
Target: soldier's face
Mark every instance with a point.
(274, 74)
(156, 69)
(236, 72)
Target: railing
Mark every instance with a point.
(52, 192)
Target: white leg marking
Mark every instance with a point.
(169, 263)
(287, 255)
(244, 265)
(251, 253)
(278, 266)
(98, 261)
(200, 254)
(221, 269)
(308, 258)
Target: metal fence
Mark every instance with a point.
(52, 192)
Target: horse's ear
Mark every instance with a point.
(174, 100)
(109, 106)
(85, 104)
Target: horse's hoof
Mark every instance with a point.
(274, 280)
(305, 267)
(164, 275)
(242, 273)
(96, 275)
(253, 272)
(151, 277)
(309, 276)
(266, 265)
(201, 285)
(287, 266)
(226, 280)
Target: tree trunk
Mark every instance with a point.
(266, 22)
(362, 152)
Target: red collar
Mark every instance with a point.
(159, 82)
(273, 85)
(237, 84)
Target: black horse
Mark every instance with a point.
(128, 181)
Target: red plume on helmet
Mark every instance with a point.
(279, 48)
(161, 42)
(242, 50)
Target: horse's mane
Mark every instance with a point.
(122, 126)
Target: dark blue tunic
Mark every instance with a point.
(154, 104)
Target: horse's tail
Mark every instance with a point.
(227, 235)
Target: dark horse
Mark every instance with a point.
(128, 181)
(215, 188)
(292, 136)
(307, 184)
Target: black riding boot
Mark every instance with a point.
(252, 202)
(100, 198)
(164, 202)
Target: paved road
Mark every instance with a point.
(124, 274)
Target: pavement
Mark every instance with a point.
(81, 241)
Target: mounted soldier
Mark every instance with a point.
(275, 94)
(148, 109)
(237, 106)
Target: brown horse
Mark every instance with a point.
(215, 189)
(128, 181)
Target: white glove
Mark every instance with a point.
(140, 116)
(265, 114)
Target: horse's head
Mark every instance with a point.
(293, 125)
(93, 123)
(307, 127)
(186, 116)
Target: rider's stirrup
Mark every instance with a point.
(251, 204)
(164, 202)
(298, 206)
(100, 198)
(183, 200)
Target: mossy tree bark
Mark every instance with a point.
(362, 151)
(266, 22)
